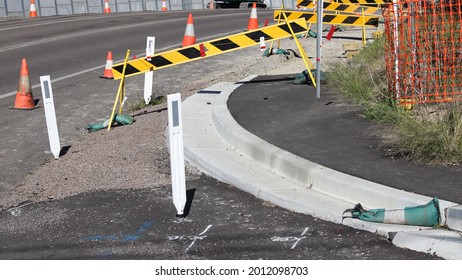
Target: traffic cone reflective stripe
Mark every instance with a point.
(164, 5)
(107, 9)
(108, 69)
(24, 98)
(253, 21)
(32, 10)
(189, 36)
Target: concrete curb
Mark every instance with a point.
(220, 147)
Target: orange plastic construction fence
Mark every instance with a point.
(423, 50)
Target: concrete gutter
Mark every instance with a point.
(220, 147)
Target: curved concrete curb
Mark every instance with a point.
(220, 147)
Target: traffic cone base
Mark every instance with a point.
(108, 69)
(24, 98)
(253, 21)
(24, 101)
(32, 10)
(189, 35)
(107, 8)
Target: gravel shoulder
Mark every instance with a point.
(136, 156)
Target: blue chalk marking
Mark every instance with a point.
(144, 227)
(128, 237)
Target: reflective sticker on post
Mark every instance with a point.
(262, 44)
(150, 45)
(50, 115)
(176, 152)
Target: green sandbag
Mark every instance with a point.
(304, 78)
(422, 215)
(122, 119)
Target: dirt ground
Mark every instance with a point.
(136, 156)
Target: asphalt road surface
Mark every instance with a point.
(222, 223)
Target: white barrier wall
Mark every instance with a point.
(20, 8)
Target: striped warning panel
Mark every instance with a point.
(210, 48)
(330, 19)
(347, 8)
(305, 3)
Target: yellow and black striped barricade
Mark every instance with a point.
(369, 3)
(352, 20)
(209, 48)
(346, 8)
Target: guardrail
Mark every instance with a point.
(20, 8)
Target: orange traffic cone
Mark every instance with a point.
(108, 69)
(32, 10)
(253, 21)
(24, 98)
(107, 9)
(189, 36)
(164, 5)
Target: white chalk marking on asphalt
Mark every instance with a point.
(291, 238)
(5, 95)
(200, 236)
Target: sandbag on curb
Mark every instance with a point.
(303, 77)
(422, 215)
(122, 119)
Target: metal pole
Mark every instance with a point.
(72, 7)
(86, 6)
(39, 8)
(23, 9)
(56, 8)
(6, 8)
(318, 47)
(129, 5)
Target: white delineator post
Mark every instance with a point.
(176, 153)
(50, 115)
(149, 76)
